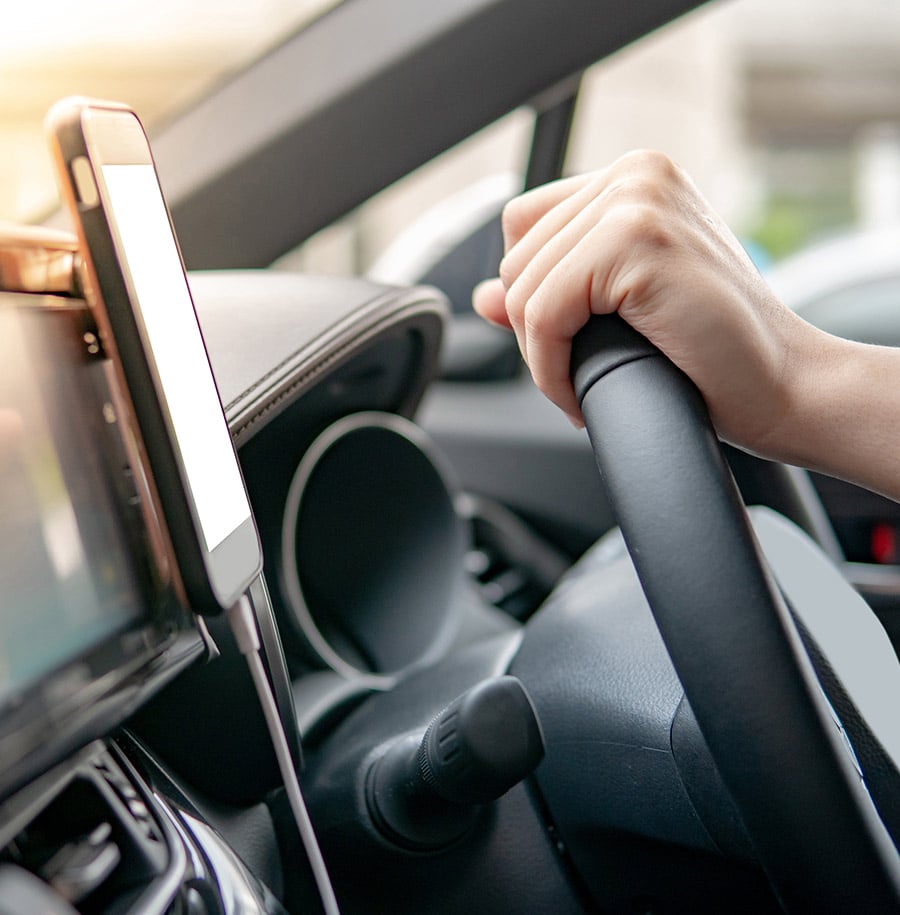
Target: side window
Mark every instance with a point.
(786, 114)
(395, 231)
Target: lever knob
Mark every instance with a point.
(427, 793)
(482, 744)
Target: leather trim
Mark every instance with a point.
(271, 336)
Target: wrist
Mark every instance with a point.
(783, 411)
(812, 386)
(844, 414)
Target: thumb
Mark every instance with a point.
(489, 301)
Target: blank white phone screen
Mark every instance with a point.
(176, 348)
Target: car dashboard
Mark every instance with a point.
(154, 787)
(137, 772)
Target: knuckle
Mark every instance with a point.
(642, 225)
(652, 163)
(645, 175)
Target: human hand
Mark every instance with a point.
(638, 238)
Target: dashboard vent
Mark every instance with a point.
(95, 844)
(514, 568)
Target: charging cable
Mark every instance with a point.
(243, 625)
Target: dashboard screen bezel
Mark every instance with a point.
(84, 695)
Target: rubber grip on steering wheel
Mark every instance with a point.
(605, 343)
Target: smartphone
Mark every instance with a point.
(135, 285)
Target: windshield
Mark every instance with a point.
(156, 55)
(787, 115)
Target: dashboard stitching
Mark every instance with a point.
(315, 371)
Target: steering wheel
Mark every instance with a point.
(728, 632)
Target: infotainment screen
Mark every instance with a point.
(67, 581)
(80, 612)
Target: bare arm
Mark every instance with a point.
(638, 238)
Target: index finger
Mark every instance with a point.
(522, 212)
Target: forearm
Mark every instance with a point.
(845, 415)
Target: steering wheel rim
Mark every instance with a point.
(727, 630)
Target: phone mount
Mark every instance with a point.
(38, 260)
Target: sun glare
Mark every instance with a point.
(156, 55)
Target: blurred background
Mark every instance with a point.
(786, 112)
(156, 55)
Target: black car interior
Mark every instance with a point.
(509, 683)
